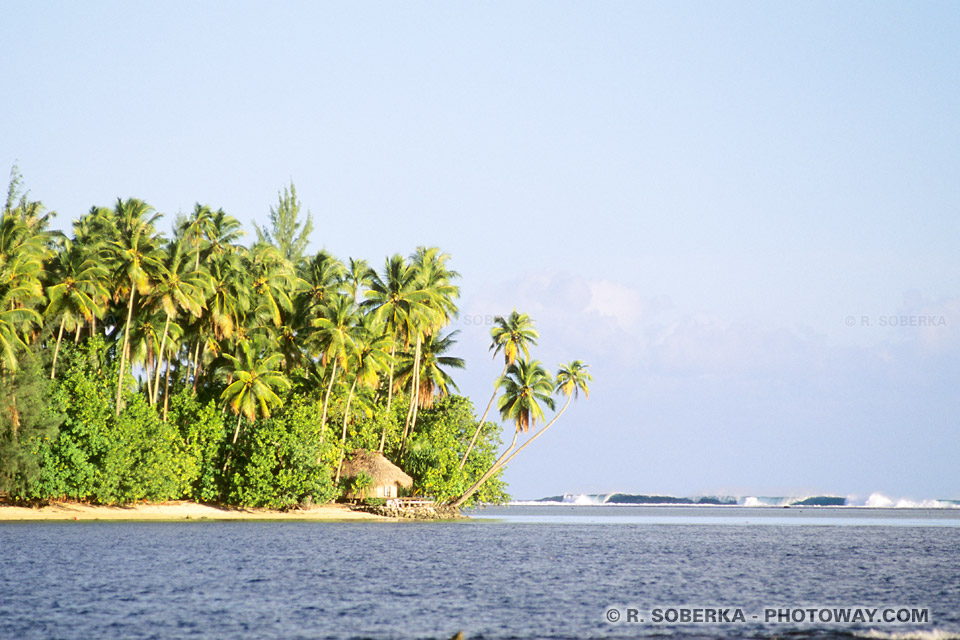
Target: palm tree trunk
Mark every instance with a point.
(237, 430)
(383, 435)
(326, 401)
(76, 338)
(493, 469)
(126, 340)
(538, 433)
(414, 395)
(504, 459)
(234, 442)
(148, 375)
(343, 436)
(166, 391)
(196, 364)
(56, 352)
(163, 344)
(482, 419)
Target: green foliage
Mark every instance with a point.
(204, 432)
(287, 232)
(27, 420)
(362, 481)
(151, 341)
(280, 463)
(435, 449)
(106, 458)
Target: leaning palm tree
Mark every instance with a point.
(525, 386)
(571, 379)
(511, 335)
(137, 263)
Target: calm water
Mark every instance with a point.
(513, 572)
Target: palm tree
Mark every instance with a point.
(193, 231)
(229, 301)
(321, 276)
(22, 252)
(12, 325)
(370, 358)
(79, 294)
(525, 385)
(434, 281)
(336, 332)
(273, 283)
(571, 379)
(356, 279)
(394, 299)
(511, 335)
(90, 235)
(434, 381)
(137, 262)
(253, 391)
(182, 287)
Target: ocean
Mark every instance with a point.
(534, 571)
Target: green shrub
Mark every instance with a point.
(280, 463)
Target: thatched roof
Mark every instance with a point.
(377, 467)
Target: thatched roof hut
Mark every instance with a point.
(387, 477)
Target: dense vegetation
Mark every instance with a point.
(140, 366)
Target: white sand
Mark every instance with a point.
(178, 511)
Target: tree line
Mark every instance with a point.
(140, 366)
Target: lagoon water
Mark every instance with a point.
(510, 572)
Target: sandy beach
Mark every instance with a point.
(178, 511)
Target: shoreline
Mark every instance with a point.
(180, 511)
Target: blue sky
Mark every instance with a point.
(721, 206)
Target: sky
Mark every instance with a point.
(744, 216)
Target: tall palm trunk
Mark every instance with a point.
(537, 434)
(233, 442)
(489, 472)
(326, 400)
(166, 391)
(503, 460)
(343, 436)
(126, 341)
(163, 345)
(149, 376)
(196, 364)
(56, 352)
(383, 435)
(414, 396)
(482, 419)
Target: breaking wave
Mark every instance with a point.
(874, 501)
